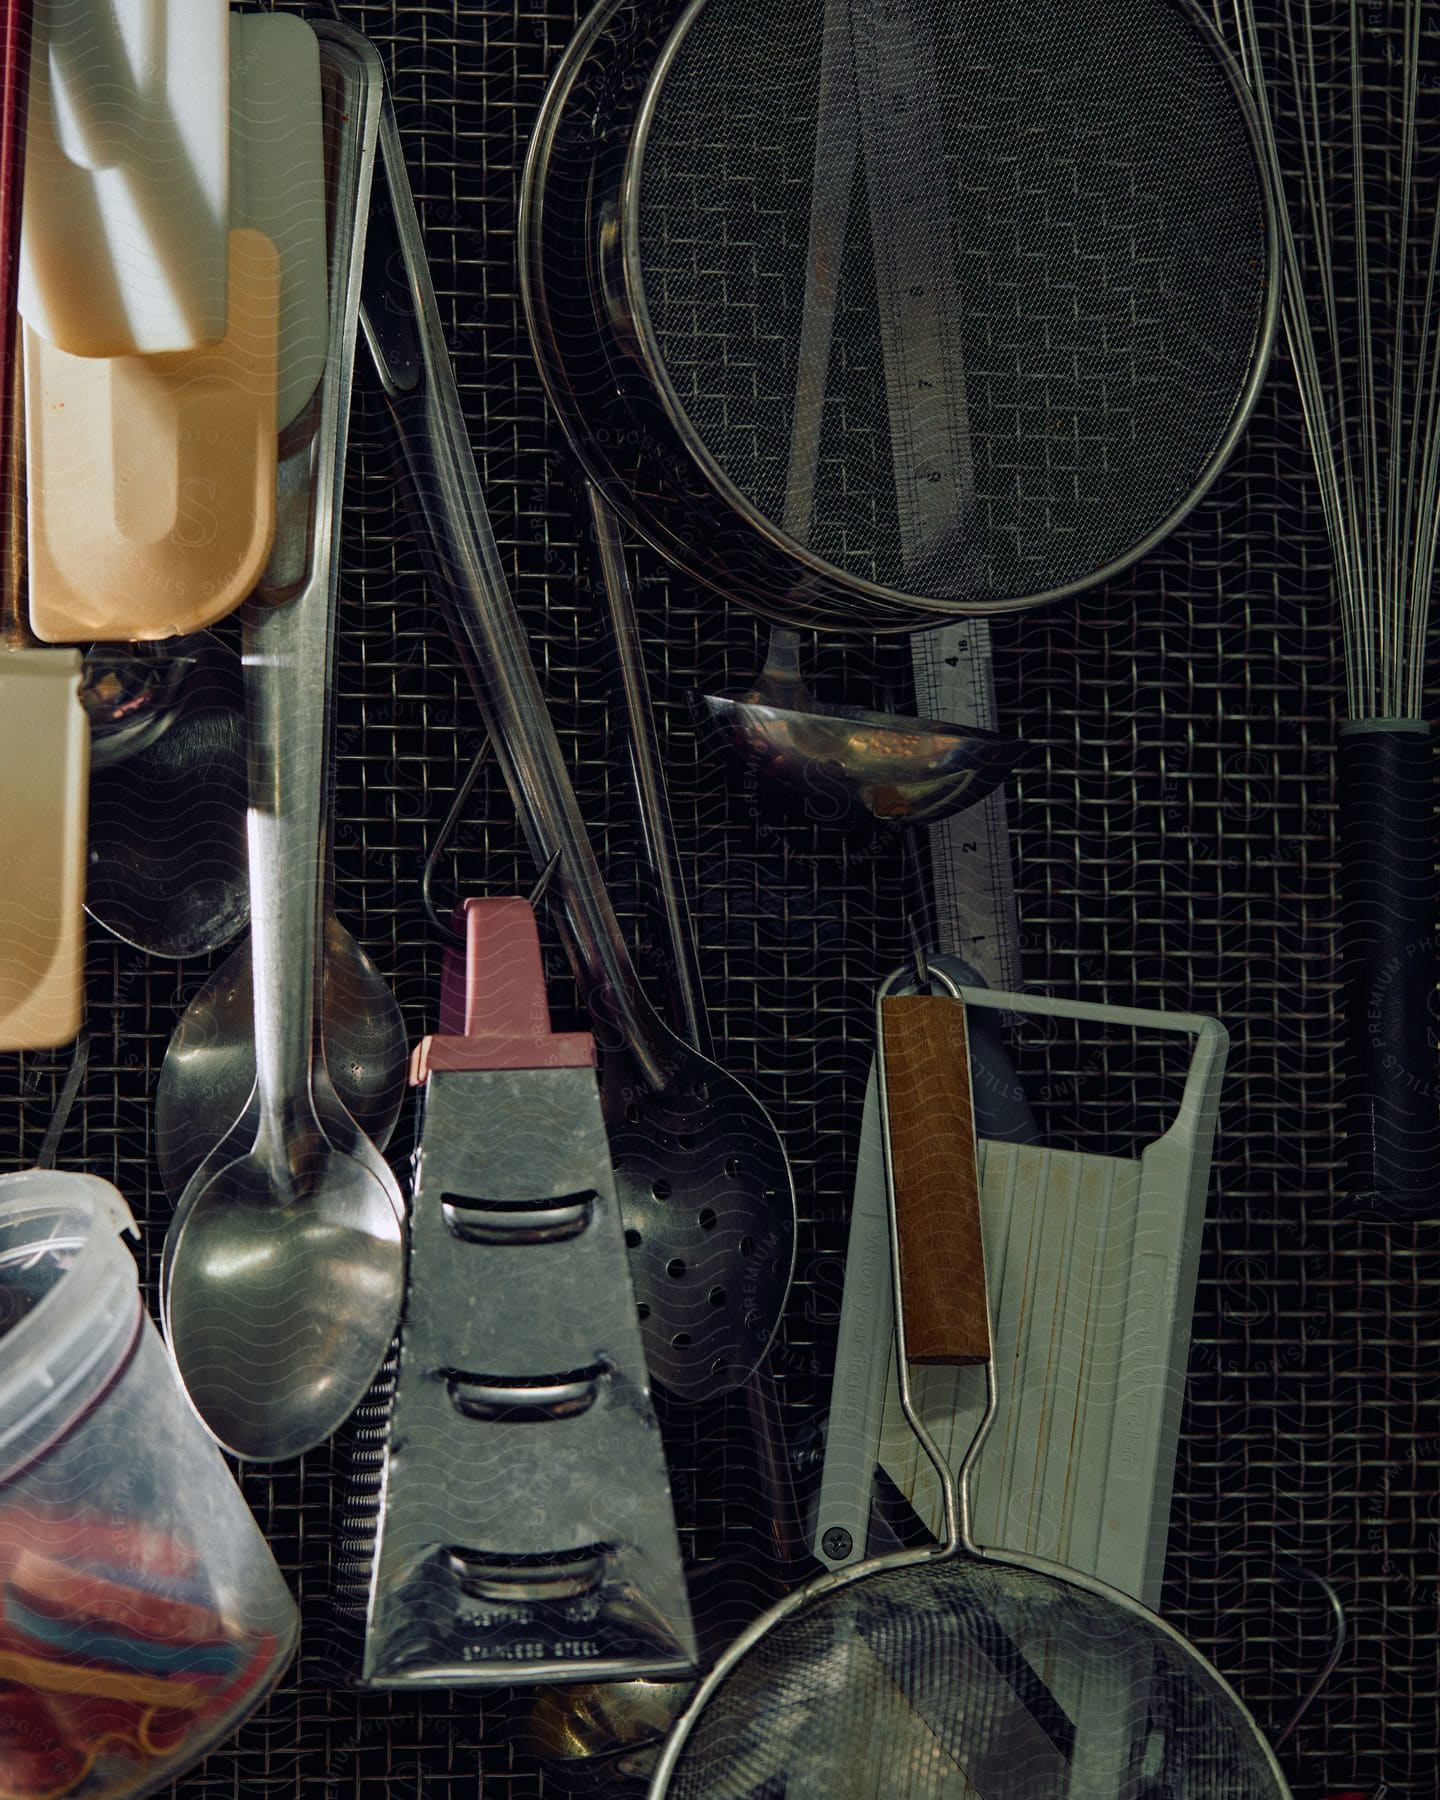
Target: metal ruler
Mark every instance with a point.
(897, 90)
(974, 880)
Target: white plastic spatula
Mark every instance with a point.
(127, 192)
(152, 478)
(277, 166)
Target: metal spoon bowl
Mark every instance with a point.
(206, 1093)
(319, 1286)
(212, 1054)
(167, 869)
(856, 766)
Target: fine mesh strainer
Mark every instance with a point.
(953, 1672)
(1054, 302)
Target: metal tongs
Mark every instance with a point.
(714, 1239)
(401, 322)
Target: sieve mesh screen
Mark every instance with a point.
(960, 1678)
(1107, 274)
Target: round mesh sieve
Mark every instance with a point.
(1109, 280)
(954, 1678)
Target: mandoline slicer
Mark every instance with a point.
(525, 1528)
(1091, 1263)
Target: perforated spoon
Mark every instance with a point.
(706, 1195)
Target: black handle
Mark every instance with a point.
(1388, 902)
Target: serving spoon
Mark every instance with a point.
(705, 1191)
(284, 1267)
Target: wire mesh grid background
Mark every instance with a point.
(1174, 844)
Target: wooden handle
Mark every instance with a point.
(931, 1130)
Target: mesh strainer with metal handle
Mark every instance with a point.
(954, 1672)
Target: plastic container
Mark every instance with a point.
(142, 1615)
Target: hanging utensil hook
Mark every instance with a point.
(445, 924)
(1340, 1631)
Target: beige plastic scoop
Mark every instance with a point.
(44, 786)
(152, 478)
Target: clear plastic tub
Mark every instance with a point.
(142, 1615)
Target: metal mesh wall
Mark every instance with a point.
(1174, 841)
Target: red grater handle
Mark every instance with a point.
(493, 1009)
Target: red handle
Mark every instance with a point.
(493, 1009)
(15, 34)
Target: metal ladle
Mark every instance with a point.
(284, 1268)
(706, 1196)
(854, 765)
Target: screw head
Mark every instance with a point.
(837, 1543)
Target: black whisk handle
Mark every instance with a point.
(1389, 901)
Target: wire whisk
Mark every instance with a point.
(1357, 163)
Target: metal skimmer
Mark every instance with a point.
(704, 1185)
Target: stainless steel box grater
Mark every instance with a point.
(525, 1527)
